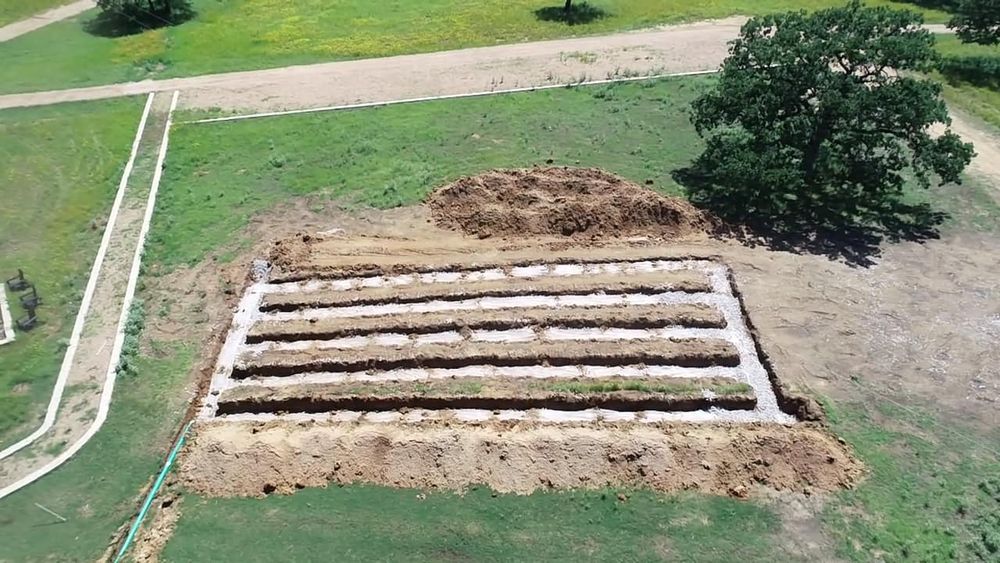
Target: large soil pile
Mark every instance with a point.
(584, 202)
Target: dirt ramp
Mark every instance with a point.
(252, 459)
(577, 202)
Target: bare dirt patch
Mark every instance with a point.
(158, 529)
(253, 459)
(580, 202)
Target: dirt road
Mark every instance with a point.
(43, 19)
(987, 161)
(683, 48)
(690, 47)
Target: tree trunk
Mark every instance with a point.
(568, 6)
(810, 154)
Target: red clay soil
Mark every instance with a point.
(577, 202)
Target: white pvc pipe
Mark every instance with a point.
(88, 295)
(109, 381)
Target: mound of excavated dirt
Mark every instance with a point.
(586, 202)
(250, 459)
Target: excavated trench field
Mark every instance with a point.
(516, 370)
(538, 330)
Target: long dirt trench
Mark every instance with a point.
(87, 373)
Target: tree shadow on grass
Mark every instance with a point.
(855, 239)
(132, 22)
(580, 13)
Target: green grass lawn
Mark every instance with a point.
(380, 524)
(933, 493)
(61, 167)
(15, 10)
(250, 34)
(219, 176)
(981, 100)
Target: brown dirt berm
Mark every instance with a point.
(578, 202)
(624, 316)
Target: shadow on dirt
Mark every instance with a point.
(576, 14)
(135, 20)
(853, 238)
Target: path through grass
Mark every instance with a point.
(251, 34)
(16, 10)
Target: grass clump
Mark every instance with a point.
(134, 323)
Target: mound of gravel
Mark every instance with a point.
(572, 202)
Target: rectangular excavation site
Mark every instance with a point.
(641, 341)
(460, 374)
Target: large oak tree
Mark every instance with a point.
(814, 121)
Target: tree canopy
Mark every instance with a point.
(812, 126)
(125, 17)
(977, 21)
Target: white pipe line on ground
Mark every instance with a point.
(247, 313)
(6, 322)
(109, 381)
(551, 416)
(493, 274)
(88, 294)
(364, 105)
(739, 335)
(491, 371)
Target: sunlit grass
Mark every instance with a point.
(15, 10)
(59, 169)
(249, 34)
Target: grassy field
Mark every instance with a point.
(933, 493)
(393, 156)
(14, 10)
(380, 524)
(61, 167)
(219, 176)
(249, 34)
(978, 98)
